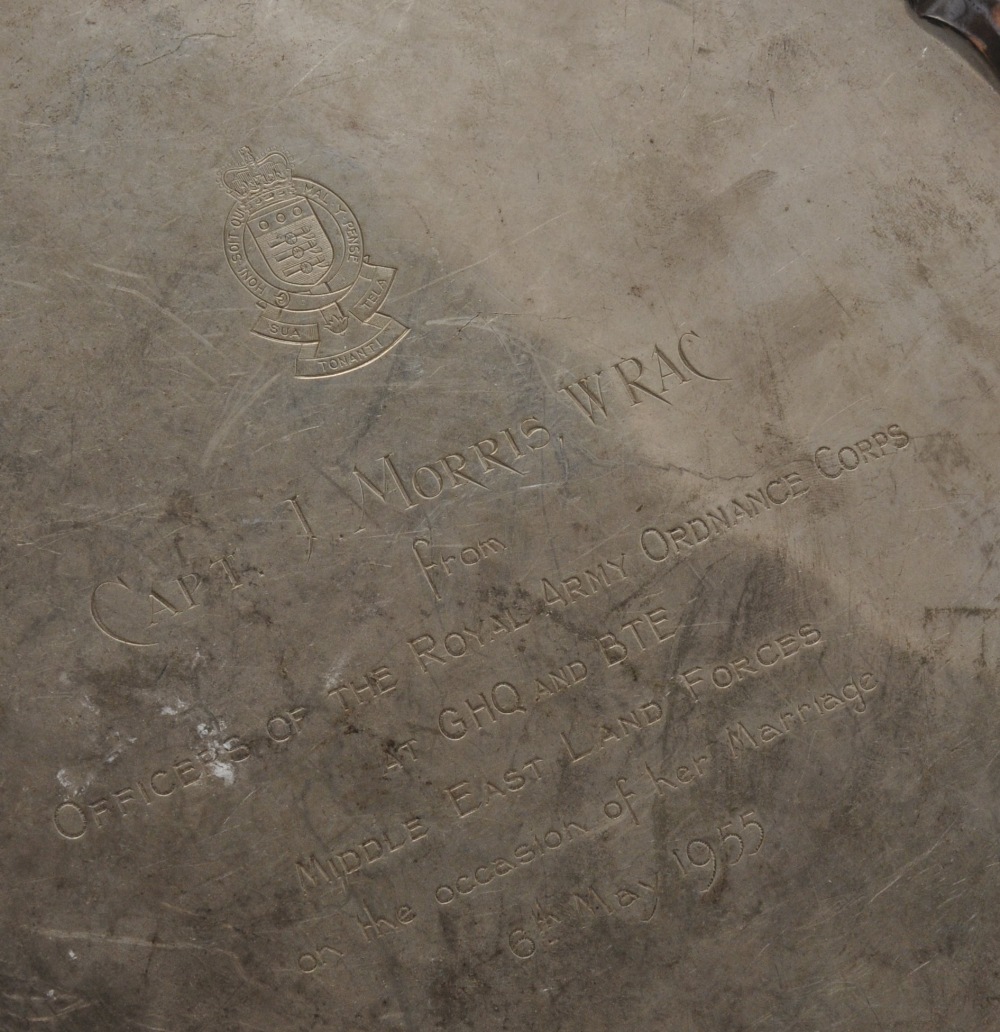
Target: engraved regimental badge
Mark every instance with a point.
(297, 247)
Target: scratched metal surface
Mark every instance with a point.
(498, 521)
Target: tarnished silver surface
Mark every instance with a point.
(498, 518)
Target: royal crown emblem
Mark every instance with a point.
(297, 247)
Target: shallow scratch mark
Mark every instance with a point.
(295, 85)
(191, 35)
(916, 860)
(117, 272)
(200, 337)
(236, 807)
(180, 322)
(849, 405)
(122, 940)
(227, 424)
(287, 437)
(840, 303)
(133, 941)
(690, 66)
(82, 525)
(492, 254)
(70, 1009)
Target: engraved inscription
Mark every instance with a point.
(400, 755)
(313, 960)
(477, 712)
(463, 556)
(557, 917)
(835, 462)
(474, 794)
(763, 657)
(623, 808)
(366, 689)
(301, 517)
(467, 468)
(447, 648)
(175, 598)
(686, 773)
(482, 711)
(648, 630)
(339, 864)
(592, 742)
(730, 839)
(72, 819)
(369, 923)
(619, 808)
(742, 737)
(651, 376)
(851, 697)
(524, 854)
(374, 925)
(216, 762)
(584, 584)
(658, 543)
(555, 681)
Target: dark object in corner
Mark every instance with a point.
(977, 20)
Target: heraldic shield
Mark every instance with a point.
(293, 243)
(298, 248)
